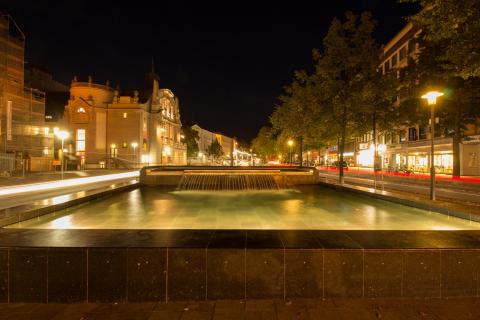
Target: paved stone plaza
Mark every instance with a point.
(438, 309)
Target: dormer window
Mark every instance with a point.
(81, 110)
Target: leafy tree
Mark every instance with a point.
(264, 144)
(190, 138)
(457, 109)
(343, 71)
(455, 25)
(214, 150)
(297, 115)
(449, 60)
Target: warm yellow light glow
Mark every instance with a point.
(46, 130)
(381, 148)
(182, 136)
(290, 142)
(167, 150)
(113, 146)
(62, 134)
(34, 187)
(279, 156)
(308, 152)
(432, 96)
(134, 145)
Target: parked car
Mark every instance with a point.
(336, 164)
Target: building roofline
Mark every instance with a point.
(399, 35)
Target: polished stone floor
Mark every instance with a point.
(305, 208)
(389, 309)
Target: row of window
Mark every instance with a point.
(82, 110)
(399, 56)
(81, 137)
(412, 134)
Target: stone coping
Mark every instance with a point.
(41, 207)
(239, 239)
(226, 168)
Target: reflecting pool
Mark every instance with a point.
(309, 207)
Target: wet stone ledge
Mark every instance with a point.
(141, 265)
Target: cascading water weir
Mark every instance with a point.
(229, 180)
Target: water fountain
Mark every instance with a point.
(227, 181)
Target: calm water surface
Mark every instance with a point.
(303, 208)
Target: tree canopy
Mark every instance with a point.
(214, 150)
(455, 25)
(190, 138)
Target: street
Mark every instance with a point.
(458, 190)
(14, 195)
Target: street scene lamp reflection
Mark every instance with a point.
(431, 98)
(290, 144)
(62, 135)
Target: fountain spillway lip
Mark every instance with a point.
(227, 168)
(231, 172)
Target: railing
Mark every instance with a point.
(7, 163)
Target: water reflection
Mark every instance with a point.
(62, 223)
(305, 208)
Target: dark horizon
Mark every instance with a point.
(227, 66)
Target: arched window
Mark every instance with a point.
(81, 110)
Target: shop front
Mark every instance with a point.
(415, 156)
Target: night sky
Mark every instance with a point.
(227, 63)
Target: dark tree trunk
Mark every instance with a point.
(375, 152)
(300, 141)
(456, 156)
(456, 146)
(341, 147)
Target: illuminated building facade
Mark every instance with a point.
(206, 138)
(409, 147)
(25, 141)
(109, 129)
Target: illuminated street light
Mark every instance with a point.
(134, 146)
(62, 135)
(290, 144)
(431, 98)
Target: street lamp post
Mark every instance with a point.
(381, 148)
(431, 97)
(134, 146)
(308, 156)
(290, 144)
(62, 135)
